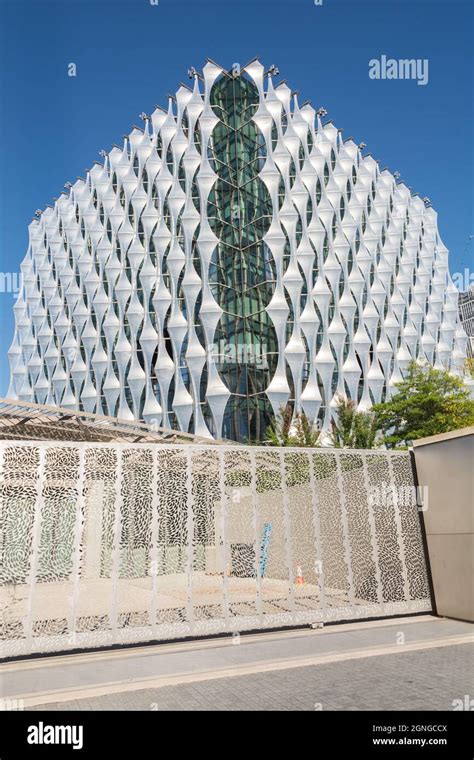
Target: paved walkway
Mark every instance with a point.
(420, 662)
(425, 680)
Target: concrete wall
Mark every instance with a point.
(445, 464)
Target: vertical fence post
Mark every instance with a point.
(35, 546)
(373, 531)
(76, 558)
(223, 550)
(154, 548)
(115, 569)
(259, 601)
(286, 520)
(190, 539)
(345, 531)
(317, 535)
(398, 525)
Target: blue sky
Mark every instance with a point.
(129, 55)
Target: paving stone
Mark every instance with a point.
(427, 679)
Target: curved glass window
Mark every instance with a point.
(242, 270)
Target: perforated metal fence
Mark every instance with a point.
(103, 544)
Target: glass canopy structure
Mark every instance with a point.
(236, 255)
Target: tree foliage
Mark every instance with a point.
(468, 368)
(292, 430)
(353, 429)
(427, 402)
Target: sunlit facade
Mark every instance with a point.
(234, 256)
(466, 316)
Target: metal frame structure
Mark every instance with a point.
(21, 420)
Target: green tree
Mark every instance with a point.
(468, 367)
(292, 430)
(353, 429)
(428, 401)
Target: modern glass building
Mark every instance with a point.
(235, 255)
(466, 315)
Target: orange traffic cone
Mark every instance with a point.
(299, 578)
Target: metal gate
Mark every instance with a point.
(104, 544)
